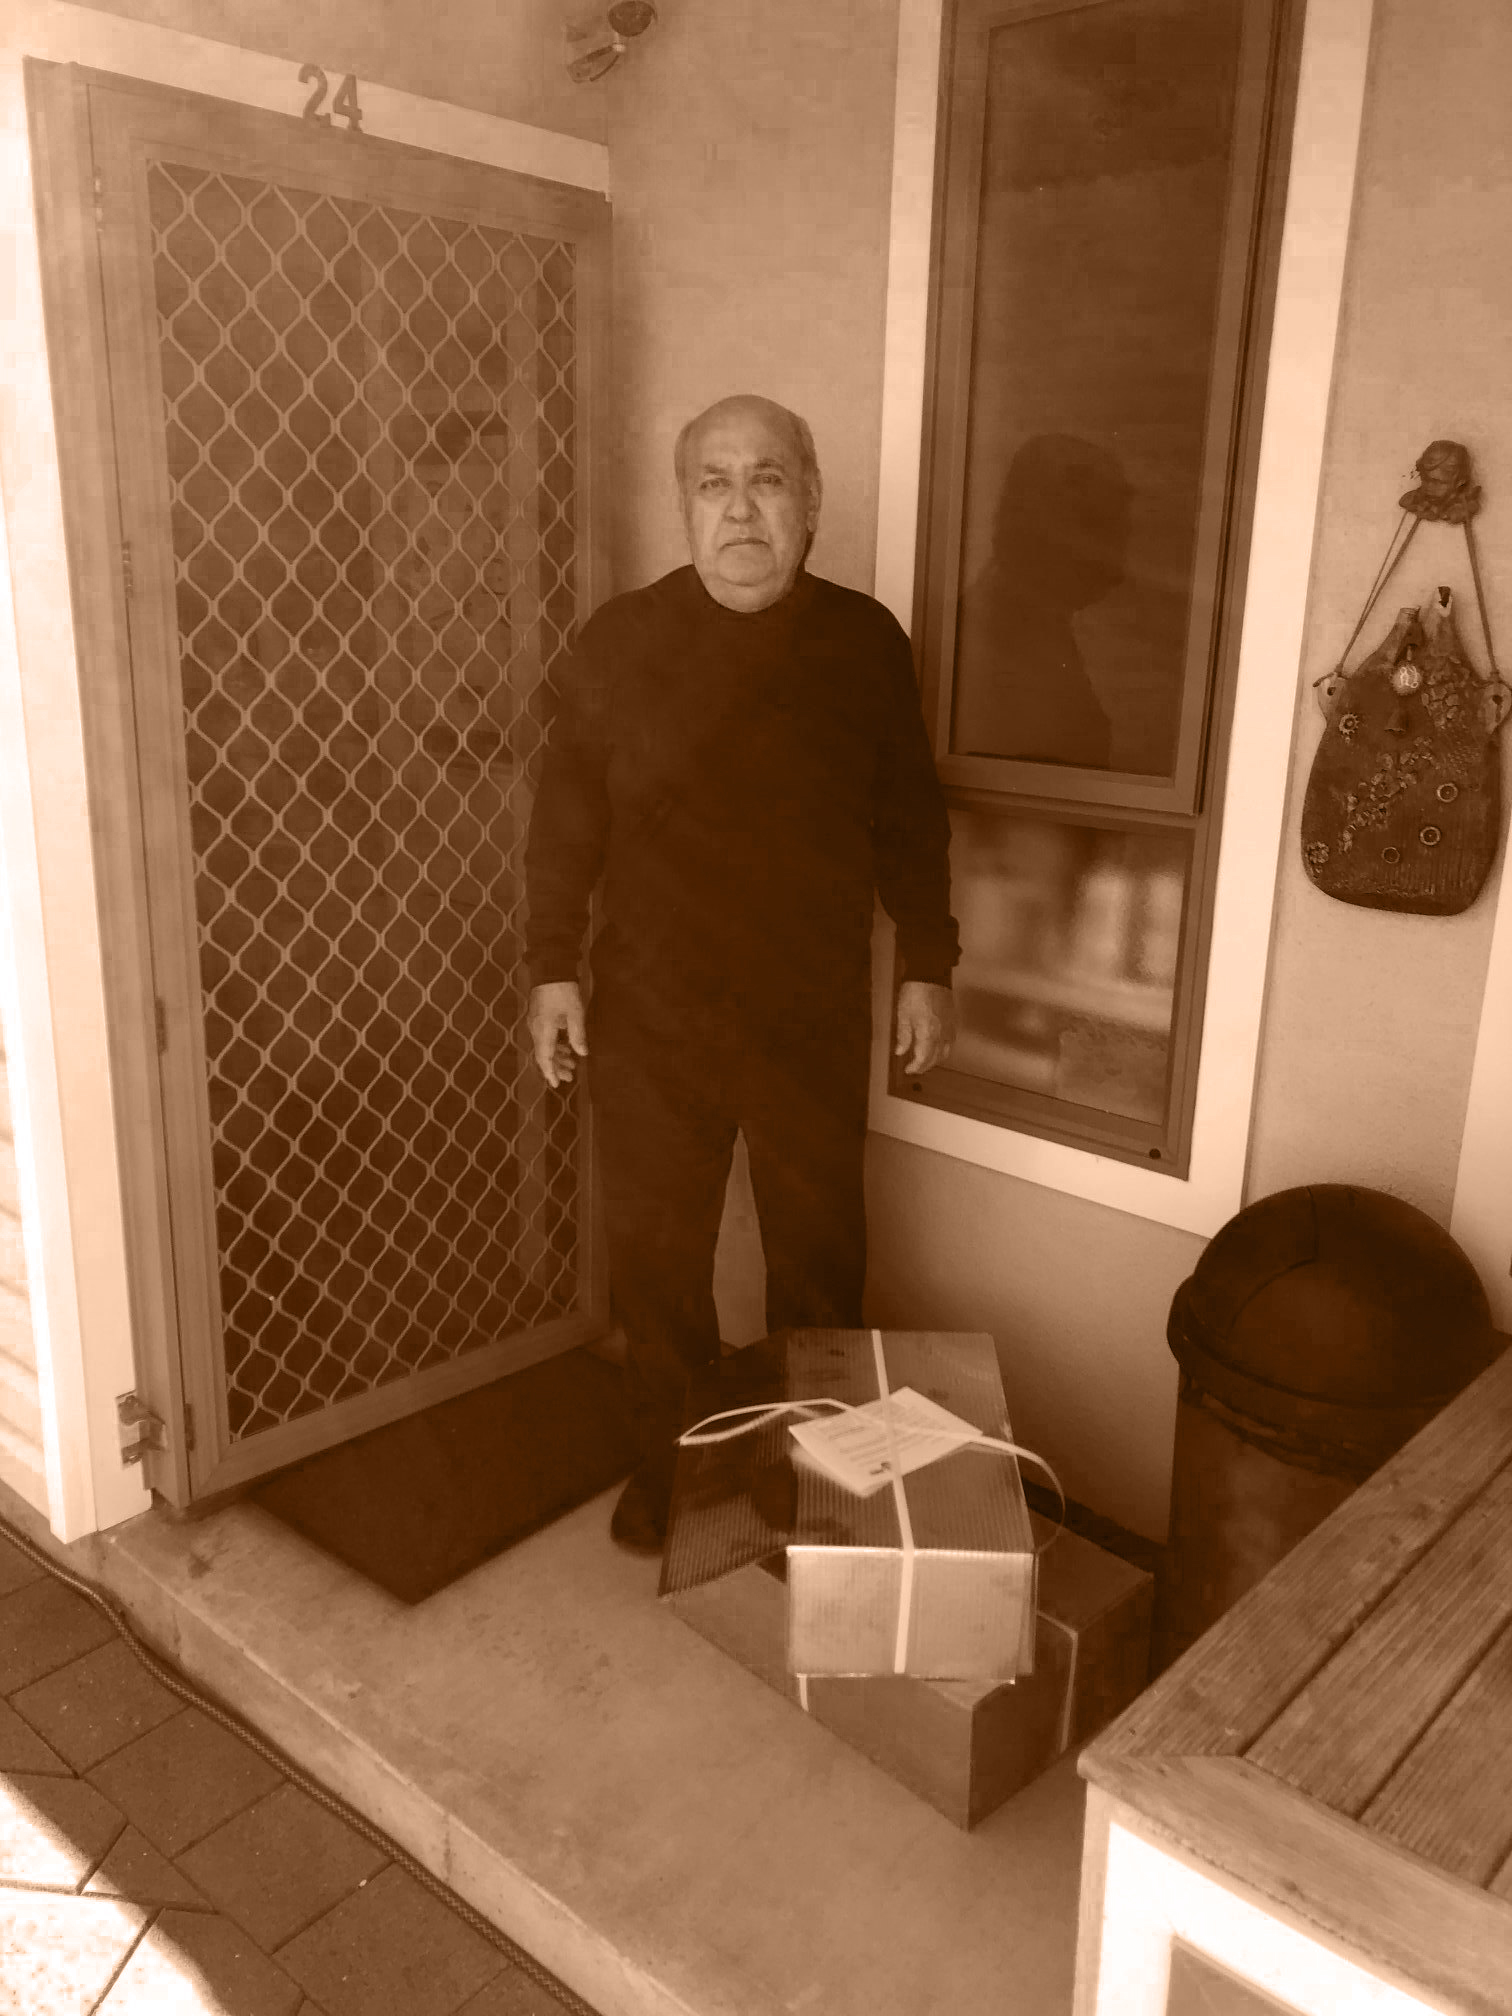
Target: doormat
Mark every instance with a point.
(417, 1503)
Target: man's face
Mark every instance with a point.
(746, 505)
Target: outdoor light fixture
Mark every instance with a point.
(596, 42)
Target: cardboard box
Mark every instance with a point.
(963, 1746)
(938, 1586)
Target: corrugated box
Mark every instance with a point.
(963, 1746)
(933, 1578)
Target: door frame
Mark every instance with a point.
(74, 307)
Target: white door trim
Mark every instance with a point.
(1310, 283)
(37, 1120)
(64, 33)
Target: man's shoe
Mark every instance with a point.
(640, 1518)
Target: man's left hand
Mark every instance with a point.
(926, 1026)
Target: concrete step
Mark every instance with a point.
(657, 1827)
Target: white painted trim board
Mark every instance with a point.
(1152, 1898)
(63, 33)
(1481, 1218)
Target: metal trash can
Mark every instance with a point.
(1320, 1330)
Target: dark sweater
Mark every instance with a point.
(745, 785)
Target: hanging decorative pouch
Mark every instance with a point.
(1403, 804)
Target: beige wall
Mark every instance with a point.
(750, 153)
(1075, 1294)
(750, 158)
(504, 59)
(1371, 1019)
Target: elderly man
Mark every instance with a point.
(739, 756)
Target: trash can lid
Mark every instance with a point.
(1340, 1293)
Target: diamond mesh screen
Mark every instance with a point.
(371, 422)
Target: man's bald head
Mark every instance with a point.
(749, 481)
(738, 403)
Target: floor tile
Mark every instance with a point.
(134, 1869)
(52, 1830)
(513, 1994)
(16, 1568)
(193, 1963)
(280, 1865)
(96, 1704)
(57, 1954)
(42, 1627)
(392, 1949)
(182, 1779)
(22, 1749)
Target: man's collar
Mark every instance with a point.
(797, 599)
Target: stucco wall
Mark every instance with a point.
(1076, 1296)
(750, 159)
(1371, 1019)
(750, 154)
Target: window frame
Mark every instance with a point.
(1190, 801)
(1239, 335)
(1319, 173)
(1165, 1146)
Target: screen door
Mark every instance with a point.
(355, 394)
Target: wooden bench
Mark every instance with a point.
(1315, 1803)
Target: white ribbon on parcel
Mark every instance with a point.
(937, 1439)
(900, 1500)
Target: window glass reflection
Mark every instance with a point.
(1105, 178)
(1070, 939)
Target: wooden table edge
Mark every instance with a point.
(1216, 1698)
(1378, 1902)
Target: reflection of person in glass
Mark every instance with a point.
(1059, 544)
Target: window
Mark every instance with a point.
(1106, 238)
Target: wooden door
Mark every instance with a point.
(357, 396)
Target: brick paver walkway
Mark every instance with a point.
(152, 1864)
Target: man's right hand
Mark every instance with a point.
(558, 1029)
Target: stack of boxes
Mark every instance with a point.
(920, 1622)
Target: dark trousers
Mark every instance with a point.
(667, 1106)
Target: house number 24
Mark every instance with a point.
(344, 103)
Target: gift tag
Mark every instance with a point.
(853, 1448)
